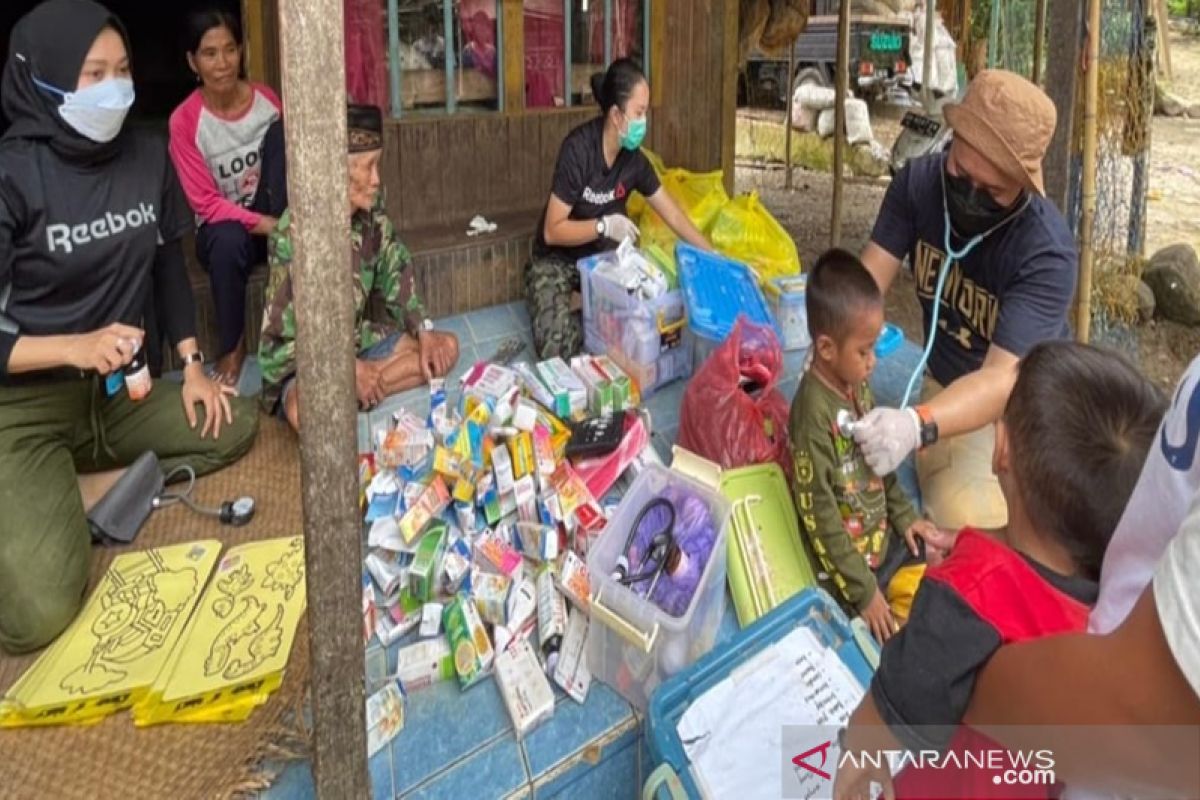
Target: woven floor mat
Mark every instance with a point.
(115, 759)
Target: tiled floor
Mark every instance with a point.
(461, 744)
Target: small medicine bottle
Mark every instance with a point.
(137, 377)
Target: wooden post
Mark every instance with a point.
(312, 46)
(1065, 28)
(841, 81)
(1164, 34)
(927, 63)
(729, 81)
(1039, 41)
(789, 100)
(514, 57)
(1087, 239)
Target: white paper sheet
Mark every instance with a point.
(733, 733)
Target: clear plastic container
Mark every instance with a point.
(648, 339)
(786, 297)
(633, 645)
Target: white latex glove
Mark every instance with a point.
(887, 436)
(619, 227)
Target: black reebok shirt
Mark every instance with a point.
(591, 188)
(78, 242)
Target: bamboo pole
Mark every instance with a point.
(927, 64)
(1039, 40)
(1087, 241)
(1164, 34)
(841, 81)
(788, 100)
(311, 49)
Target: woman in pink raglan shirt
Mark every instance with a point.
(227, 145)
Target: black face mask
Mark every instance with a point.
(973, 212)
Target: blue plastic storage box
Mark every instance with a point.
(718, 289)
(811, 607)
(648, 339)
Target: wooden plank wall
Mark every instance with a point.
(441, 171)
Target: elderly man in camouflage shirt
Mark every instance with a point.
(397, 346)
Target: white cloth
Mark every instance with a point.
(1160, 500)
(1177, 596)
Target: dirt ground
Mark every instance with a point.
(1162, 349)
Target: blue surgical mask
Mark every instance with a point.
(634, 134)
(97, 112)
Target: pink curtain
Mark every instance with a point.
(366, 58)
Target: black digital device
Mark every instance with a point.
(597, 436)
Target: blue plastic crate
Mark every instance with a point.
(717, 290)
(812, 608)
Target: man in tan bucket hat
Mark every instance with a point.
(973, 220)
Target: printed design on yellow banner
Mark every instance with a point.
(141, 607)
(237, 645)
(970, 311)
(254, 631)
(120, 643)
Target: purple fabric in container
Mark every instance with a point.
(695, 535)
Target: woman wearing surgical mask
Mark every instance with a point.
(90, 212)
(599, 164)
(227, 144)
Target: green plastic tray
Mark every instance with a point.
(764, 542)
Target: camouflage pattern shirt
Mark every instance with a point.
(385, 295)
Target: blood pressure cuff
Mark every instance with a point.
(120, 514)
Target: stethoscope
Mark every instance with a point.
(952, 255)
(664, 550)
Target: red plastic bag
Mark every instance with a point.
(732, 412)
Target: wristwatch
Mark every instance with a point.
(929, 426)
(601, 227)
(426, 325)
(193, 358)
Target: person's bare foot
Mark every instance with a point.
(228, 369)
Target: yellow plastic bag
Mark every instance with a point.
(746, 231)
(701, 196)
(636, 206)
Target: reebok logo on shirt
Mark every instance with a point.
(590, 195)
(68, 237)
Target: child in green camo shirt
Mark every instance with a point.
(854, 520)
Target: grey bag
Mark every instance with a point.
(120, 514)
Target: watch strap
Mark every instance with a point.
(193, 358)
(928, 425)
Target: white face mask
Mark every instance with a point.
(97, 112)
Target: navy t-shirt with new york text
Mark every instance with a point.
(593, 189)
(1013, 290)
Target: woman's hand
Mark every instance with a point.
(105, 350)
(200, 388)
(265, 225)
(618, 228)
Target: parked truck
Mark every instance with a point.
(878, 58)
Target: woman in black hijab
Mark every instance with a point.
(89, 211)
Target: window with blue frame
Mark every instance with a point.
(567, 41)
(444, 55)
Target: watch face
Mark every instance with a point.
(243, 505)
